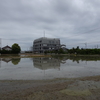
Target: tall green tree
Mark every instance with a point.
(16, 48)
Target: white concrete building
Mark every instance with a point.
(45, 44)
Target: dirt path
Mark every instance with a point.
(87, 88)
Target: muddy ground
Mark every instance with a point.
(87, 88)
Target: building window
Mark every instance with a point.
(44, 44)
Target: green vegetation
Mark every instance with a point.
(60, 51)
(5, 52)
(15, 50)
(15, 61)
(76, 50)
(84, 51)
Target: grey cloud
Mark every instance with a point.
(73, 21)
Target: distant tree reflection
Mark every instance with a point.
(15, 61)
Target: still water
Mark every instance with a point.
(48, 68)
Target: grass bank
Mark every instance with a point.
(25, 55)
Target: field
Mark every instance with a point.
(87, 88)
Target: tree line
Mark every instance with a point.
(82, 51)
(59, 51)
(76, 50)
(15, 49)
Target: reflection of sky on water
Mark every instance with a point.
(47, 68)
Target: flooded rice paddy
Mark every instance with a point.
(48, 68)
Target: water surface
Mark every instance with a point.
(48, 68)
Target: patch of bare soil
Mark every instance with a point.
(87, 88)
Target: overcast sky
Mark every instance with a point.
(75, 22)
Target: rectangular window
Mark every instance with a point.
(44, 44)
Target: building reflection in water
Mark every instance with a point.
(0, 62)
(6, 59)
(55, 63)
(46, 63)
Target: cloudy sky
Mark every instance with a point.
(75, 22)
